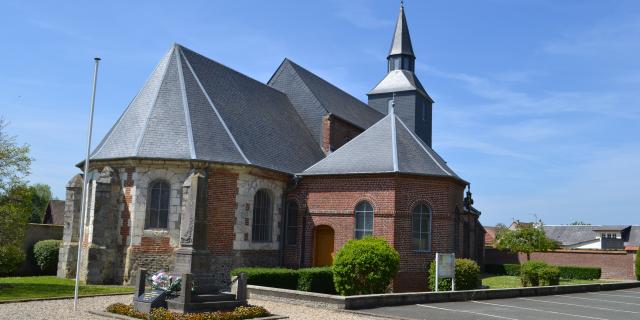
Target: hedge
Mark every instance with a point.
(509, 269)
(638, 264)
(11, 257)
(270, 277)
(530, 273)
(45, 253)
(566, 272)
(467, 276)
(316, 280)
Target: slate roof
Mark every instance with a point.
(570, 235)
(398, 81)
(401, 41)
(192, 107)
(54, 213)
(312, 95)
(387, 146)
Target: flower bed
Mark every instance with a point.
(239, 313)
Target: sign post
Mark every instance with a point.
(446, 268)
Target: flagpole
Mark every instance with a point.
(85, 192)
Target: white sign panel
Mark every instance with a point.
(446, 265)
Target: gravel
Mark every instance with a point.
(63, 309)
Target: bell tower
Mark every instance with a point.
(412, 103)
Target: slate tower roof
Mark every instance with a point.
(386, 147)
(193, 108)
(401, 41)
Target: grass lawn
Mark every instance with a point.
(15, 288)
(500, 282)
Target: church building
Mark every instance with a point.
(208, 162)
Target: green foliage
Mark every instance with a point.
(529, 273)
(270, 277)
(638, 264)
(579, 273)
(239, 313)
(579, 223)
(14, 160)
(566, 272)
(467, 276)
(526, 238)
(316, 280)
(46, 255)
(510, 269)
(40, 196)
(549, 276)
(365, 266)
(11, 257)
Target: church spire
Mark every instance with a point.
(401, 55)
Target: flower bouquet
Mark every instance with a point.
(164, 282)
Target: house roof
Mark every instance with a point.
(54, 213)
(331, 99)
(387, 146)
(193, 108)
(570, 234)
(401, 41)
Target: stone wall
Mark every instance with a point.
(34, 233)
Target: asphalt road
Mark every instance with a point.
(613, 305)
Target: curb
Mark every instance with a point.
(123, 317)
(398, 299)
(66, 297)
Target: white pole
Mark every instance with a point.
(453, 279)
(85, 191)
(437, 262)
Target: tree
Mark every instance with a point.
(14, 160)
(526, 238)
(40, 196)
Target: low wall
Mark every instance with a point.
(615, 264)
(397, 299)
(34, 233)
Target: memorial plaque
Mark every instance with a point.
(150, 300)
(446, 265)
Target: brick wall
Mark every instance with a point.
(331, 200)
(221, 202)
(336, 132)
(615, 264)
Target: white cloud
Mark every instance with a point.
(361, 13)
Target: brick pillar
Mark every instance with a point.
(67, 256)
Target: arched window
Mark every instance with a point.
(364, 220)
(261, 228)
(292, 222)
(421, 227)
(158, 207)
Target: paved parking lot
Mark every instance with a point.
(619, 304)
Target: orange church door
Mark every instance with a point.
(323, 246)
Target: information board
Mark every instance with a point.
(445, 268)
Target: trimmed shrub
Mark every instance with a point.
(549, 276)
(530, 273)
(509, 269)
(46, 254)
(467, 276)
(365, 266)
(270, 277)
(579, 273)
(638, 264)
(11, 257)
(316, 280)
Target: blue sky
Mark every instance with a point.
(537, 102)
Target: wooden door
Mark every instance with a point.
(323, 246)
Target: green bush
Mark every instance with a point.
(579, 273)
(46, 254)
(467, 276)
(365, 266)
(270, 277)
(11, 257)
(509, 269)
(549, 276)
(638, 264)
(316, 280)
(530, 273)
